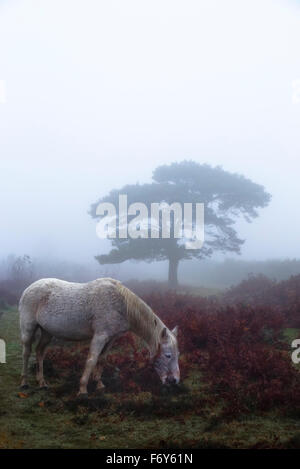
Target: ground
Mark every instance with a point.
(182, 419)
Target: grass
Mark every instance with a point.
(290, 334)
(185, 419)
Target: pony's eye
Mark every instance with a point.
(168, 355)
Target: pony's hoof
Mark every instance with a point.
(100, 387)
(82, 395)
(23, 387)
(44, 387)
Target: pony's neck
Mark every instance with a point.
(142, 320)
(151, 336)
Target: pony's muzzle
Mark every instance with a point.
(171, 380)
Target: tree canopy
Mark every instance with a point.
(226, 197)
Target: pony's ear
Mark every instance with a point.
(163, 334)
(175, 331)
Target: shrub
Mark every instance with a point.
(237, 348)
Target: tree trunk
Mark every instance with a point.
(173, 268)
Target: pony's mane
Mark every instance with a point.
(142, 320)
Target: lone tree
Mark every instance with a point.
(226, 197)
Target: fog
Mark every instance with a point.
(99, 93)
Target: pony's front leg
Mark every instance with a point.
(97, 374)
(96, 347)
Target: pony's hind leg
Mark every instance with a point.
(97, 344)
(40, 355)
(27, 337)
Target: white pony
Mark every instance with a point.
(101, 311)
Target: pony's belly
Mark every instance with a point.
(66, 326)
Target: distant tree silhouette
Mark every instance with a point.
(226, 197)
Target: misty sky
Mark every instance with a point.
(98, 93)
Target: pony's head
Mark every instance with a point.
(166, 360)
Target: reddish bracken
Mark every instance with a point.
(237, 347)
(259, 290)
